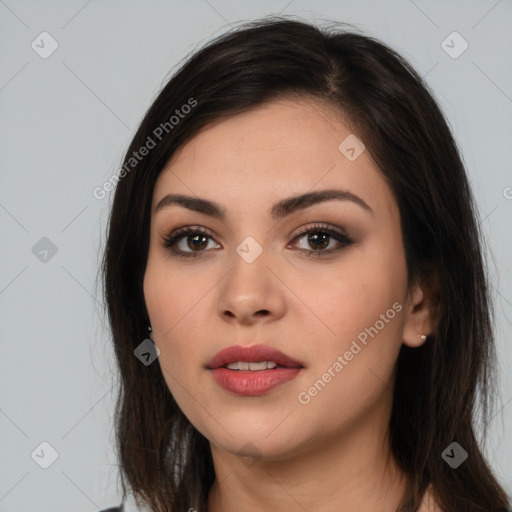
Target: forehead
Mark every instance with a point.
(282, 148)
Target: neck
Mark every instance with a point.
(351, 471)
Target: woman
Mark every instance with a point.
(294, 230)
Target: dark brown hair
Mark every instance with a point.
(162, 457)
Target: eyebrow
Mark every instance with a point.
(279, 210)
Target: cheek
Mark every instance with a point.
(362, 301)
(176, 303)
(170, 294)
(352, 366)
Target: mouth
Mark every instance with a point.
(253, 366)
(253, 358)
(252, 371)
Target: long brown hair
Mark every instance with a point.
(163, 458)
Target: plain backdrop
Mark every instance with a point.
(65, 120)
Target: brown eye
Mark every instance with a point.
(196, 239)
(319, 238)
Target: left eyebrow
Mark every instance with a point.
(279, 210)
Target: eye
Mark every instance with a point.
(197, 239)
(319, 236)
(194, 237)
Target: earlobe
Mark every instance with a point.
(419, 318)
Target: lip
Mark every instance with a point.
(252, 382)
(252, 353)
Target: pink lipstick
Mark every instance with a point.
(253, 370)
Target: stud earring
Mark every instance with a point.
(422, 336)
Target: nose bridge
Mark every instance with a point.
(248, 263)
(249, 286)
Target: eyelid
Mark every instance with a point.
(167, 240)
(338, 233)
(321, 226)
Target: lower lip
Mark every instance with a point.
(252, 382)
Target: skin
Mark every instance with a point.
(333, 450)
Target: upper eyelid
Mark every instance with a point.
(313, 225)
(321, 226)
(190, 229)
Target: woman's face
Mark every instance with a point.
(342, 312)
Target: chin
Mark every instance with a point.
(248, 440)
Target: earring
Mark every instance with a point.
(149, 329)
(422, 336)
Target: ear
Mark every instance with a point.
(421, 312)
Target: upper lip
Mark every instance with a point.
(252, 353)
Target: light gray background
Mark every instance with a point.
(65, 123)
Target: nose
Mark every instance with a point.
(251, 293)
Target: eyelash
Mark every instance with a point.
(171, 240)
